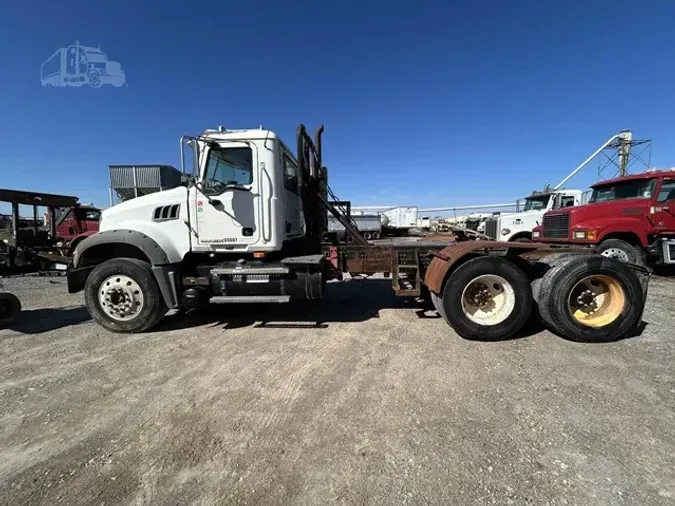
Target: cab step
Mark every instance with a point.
(250, 270)
(249, 299)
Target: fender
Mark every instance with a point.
(637, 225)
(157, 254)
(163, 266)
(450, 256)
(78, 238)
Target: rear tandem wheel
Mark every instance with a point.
(487, 298)
(590, 298)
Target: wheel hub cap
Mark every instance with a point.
(120, 297)
(616, 253)
(597, 300)
(488, 300)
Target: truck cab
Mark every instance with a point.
(518, 226)
(628, 218)
(73, 224)
(242, 197)
(245, 227)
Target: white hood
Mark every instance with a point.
(140, 207)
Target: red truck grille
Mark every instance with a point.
(556, 226)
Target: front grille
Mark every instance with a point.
(491, 227)
(556, 226)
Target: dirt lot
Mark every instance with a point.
(365, 399)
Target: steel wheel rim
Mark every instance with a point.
(120, 297)
(597, 300)
(488, 300)
(617, 253)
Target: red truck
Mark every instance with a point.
(76, 223)
(631, 218)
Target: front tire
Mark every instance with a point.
(621, 250)
(122, 295)
(487, 298)
(94, 79)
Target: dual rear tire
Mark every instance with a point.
(487, 298)
(587, 298)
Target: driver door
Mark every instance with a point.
(664, 207)
(227, 201)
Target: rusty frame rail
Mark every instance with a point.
(415, 264)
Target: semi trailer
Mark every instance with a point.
(370, 226)
(248, 226)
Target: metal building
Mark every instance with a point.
(131, 181)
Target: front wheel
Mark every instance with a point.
(94, 79)
(621, 250)
(488, 298)
(122, 295)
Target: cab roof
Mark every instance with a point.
(222, 133)
(643, 175)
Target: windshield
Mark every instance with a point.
(640, 188)
(230, 165)
(536, 203)
(88, 214)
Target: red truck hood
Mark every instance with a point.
(614, 208)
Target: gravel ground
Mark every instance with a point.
(364, 399)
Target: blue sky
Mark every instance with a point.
(425, 103)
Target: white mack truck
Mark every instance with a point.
(247, 227)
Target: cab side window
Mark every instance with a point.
(667, 191)
(567, 201)
(290, 174)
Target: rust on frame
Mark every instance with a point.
(443, 260)
(369, 260)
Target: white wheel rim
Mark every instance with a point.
(120, 297)
(488, 300)
(617, 253)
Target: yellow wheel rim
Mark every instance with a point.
(596, 301)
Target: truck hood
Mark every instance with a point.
(521, 214)
(140, 207)
(612, 208)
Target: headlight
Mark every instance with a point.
(581, 234)
(535, 233)
(506, 231)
